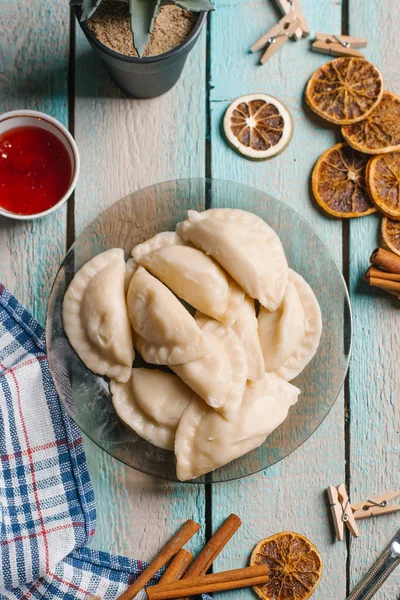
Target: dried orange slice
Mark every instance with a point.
(295, 566)
(383, 181)
(380, 131)
(258, 126)
(390, 231)
(345, 90)
(338, 182)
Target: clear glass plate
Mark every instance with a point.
(136, 218)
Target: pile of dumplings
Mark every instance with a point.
(228, 388)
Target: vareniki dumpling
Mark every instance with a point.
(281, 331)
(96, 319)
(290, 336)
(160, 240)
(198, 279)
(151, 403)
(205, 440)
(245, 246)
(309, 342)
(219, 377)
(246, 328)
(167, 333)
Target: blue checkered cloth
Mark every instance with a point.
(47, 510)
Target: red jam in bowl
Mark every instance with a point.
(35, 170)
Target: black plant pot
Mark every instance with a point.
(150, 76)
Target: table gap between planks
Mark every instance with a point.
(46, 64)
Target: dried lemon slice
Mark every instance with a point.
(391, 234)
(383, 181)
(258, 126)
(345, 90)
(295, 566)
(379, 133)
(338, 182)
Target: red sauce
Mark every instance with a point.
(35, 170)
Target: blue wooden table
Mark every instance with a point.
(46, 64)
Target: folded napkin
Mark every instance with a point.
(47, 510)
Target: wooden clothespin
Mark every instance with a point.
(292, 24)
(293, 7)
(341, 511)
(344, 513)
(338, 45)
(376, 506)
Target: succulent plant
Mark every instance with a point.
(143, 14)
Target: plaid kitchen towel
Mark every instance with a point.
(47, 510)
(46, 498)
(83, 575)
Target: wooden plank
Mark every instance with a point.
(374, 381)
(33, 74)
(289, 496)
(127, 144)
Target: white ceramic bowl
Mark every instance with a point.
(33, 118)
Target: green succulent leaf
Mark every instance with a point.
(143, 13)
(194, 5)
(89, 7)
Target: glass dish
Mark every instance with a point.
(136, 218)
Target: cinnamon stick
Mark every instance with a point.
(217, 582)
(204, 560)
(374, 272)
(177, 567)
(184, 534)
(385, 284)
(385, 259)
